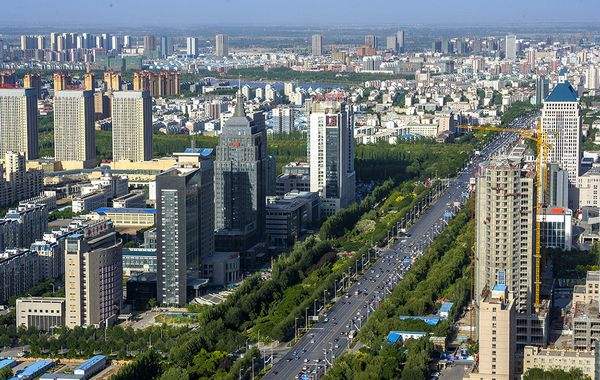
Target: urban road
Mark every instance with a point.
(315, 351)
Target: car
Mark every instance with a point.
(305, 360)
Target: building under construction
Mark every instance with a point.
(158, 83)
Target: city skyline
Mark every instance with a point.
(313, 12)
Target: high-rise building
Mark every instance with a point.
(331, 142)
(74, 135)
(510, 47)
(159, 84)
(126, 41)
(61, 81)
(392, 43)
(131, 126)
(283, 117)
(541, 89)
(561, 125)
(106, 41)
(591, 78)
(16, 182)
(149, 45)
(221, 45)
(115, 42)
(89, 81)
(371, 41)
(18, 122)
(240, 181)
(166, 47)
(185, 224)
(505, 220)
(400, 35)
(93, 276)
(192, 46)
(112, 81)
(317, 45)
(34, 81)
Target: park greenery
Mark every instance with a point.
(442, 273)
(554, 374)
(285, 74)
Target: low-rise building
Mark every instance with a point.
(139, 260)
(563, 359)
(134, 199)
(90, 202)
(43, 313)
(289, 216)
(556, 225)
(129, 217)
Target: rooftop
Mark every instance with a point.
(91, 362)
(131, 210)
(562, 92)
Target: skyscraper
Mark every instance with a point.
(505, 220)
(240, 181)
(510, 47)
(392, 43)
(591, 78)
(317, 45)
(166, 47)
(74, 135)
(400, 35)
(284, 119)
(192, 46)
(149, 45)
(331, 142)
(18, 122)
(221, 45)
(185, 223)
(561, 124)
(541, 89)
(131, 126)
(371, 41)
(93, 276)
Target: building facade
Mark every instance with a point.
(93, 276)
(43, 313)
(74, 134)
(132, 126)
(18, 122)
(331, 141)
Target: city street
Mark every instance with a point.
(314, 353)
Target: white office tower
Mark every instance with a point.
(331, 143)
(132, 126)
(317, 45)
(221, 45)
(510, 47)
(283, 117)
(192, 46)
(591, 78)
(505, 220)
(18, 122)
(561, 124)
(74, 135)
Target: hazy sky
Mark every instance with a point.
(298, 12)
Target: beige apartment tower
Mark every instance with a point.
(497, 343)
(18, 122)
(132, 126)
(93, 276)
(74, 135)
(505, 216)
(317, 45)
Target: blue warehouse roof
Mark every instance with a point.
(35, 369)
(131, 210)
(204, 152)
(91, 362)
(562, 92)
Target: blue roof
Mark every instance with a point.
(499, 288)
(446, 307)
(431, 320)
(91, 362)
(7, 363)
(35, 368)
(129, 210)
(395, 336)
(562, 92)
(204, 152)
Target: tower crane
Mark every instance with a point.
(543, 147)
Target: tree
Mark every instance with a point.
(554, 374)
(5, 373)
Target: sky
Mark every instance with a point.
(183, 13)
